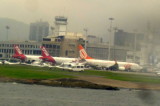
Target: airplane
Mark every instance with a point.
(71, 64)
(19, 55)
(35, 60)
(56, 60)
(107, 63)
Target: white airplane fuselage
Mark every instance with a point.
(102, 63)
(60, 60)
(32, 57)
(133, 66)
(107, 64)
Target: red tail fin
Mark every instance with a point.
(17, 50)
(46, 56)
(44, 51)
(18, 53)
(83, 54)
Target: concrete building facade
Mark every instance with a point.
(100, 51)
(7, 48)
(64, 46)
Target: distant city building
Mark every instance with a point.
(94, 39)
(60, 26)
(135, 57)
(150, 47)
(127, 39)
(38, 30)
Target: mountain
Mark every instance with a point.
(17, 30)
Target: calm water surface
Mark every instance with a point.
(13, 94)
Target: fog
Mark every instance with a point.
(93, 14)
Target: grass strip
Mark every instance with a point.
(29, 72)
(32, 72)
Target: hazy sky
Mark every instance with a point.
(93, 14)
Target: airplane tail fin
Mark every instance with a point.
(83, 54)
(46, 56)
(17, 50)
(44, 51)
(18, 53)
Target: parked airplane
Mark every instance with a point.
(19, 55)
(57, 60)
(106, 63)
(33, 60)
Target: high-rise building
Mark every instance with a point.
(38, 30)
(128, 39)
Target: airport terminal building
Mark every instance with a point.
(58, 46)
(61, 46)
(27, 47)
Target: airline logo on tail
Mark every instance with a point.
(83, 54)
(18, 53)
(17, 50)
(44, 51)
(127, 66)
(46, 56)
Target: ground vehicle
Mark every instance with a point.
(72, 66)
(78, 68)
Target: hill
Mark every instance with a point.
(17, 30)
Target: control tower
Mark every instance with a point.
(60, 26)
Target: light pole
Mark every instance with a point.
(7, 28)
(115, 30)
(135, 44)
(52, 29)
(86, 30)
(110, 34)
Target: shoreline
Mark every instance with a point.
(121, 84)
(85, 82)
(64, 82)
(88, 79)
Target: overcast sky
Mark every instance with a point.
(93, 14)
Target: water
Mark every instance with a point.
(13, 94)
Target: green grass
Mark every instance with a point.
(125, 76)
(31, 72)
